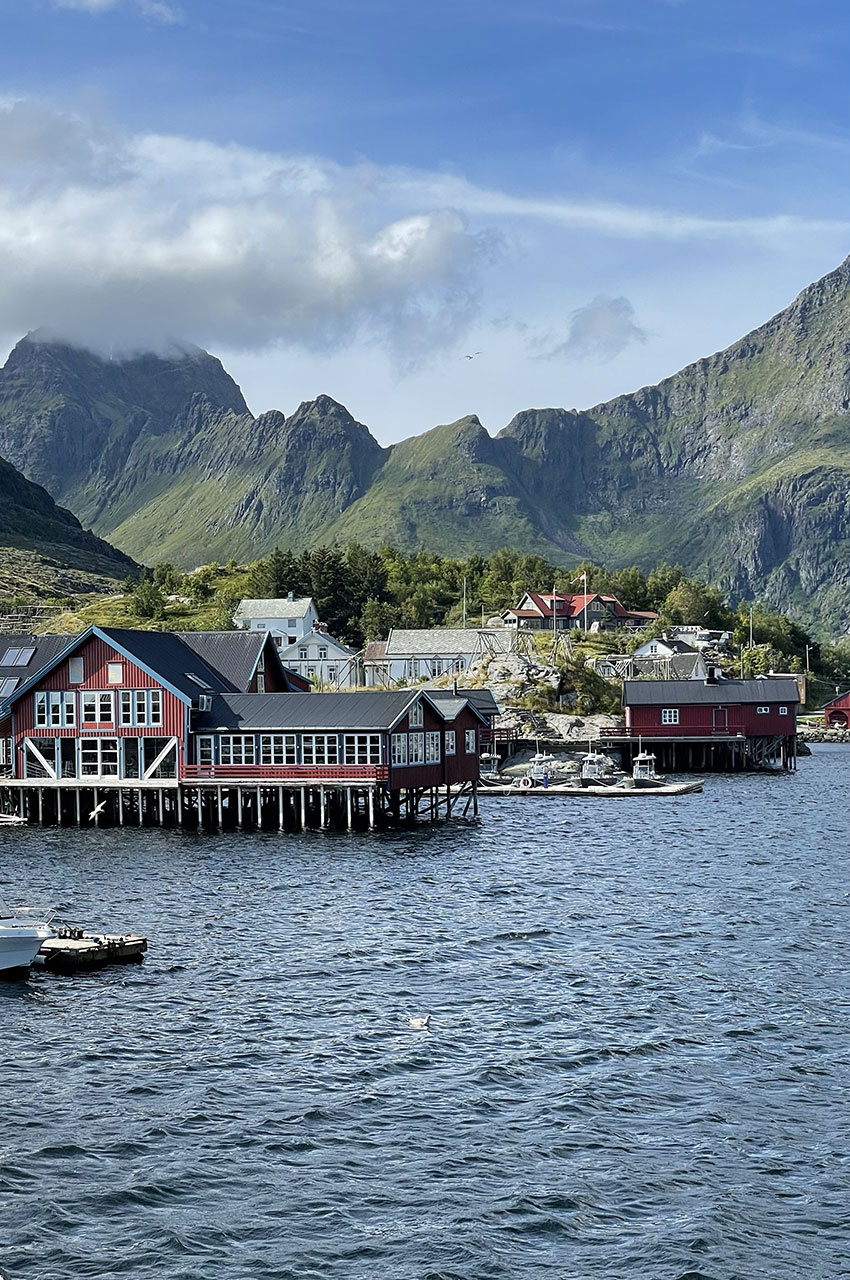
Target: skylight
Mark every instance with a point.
(7, 686)
(202, 684)
(17, 657)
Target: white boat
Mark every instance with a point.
(21, 936)
(644, 772)
(489, 767)
(596, 767)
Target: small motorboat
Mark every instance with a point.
(21, 936)
(488, 767)
(644, 773)
(597, 769)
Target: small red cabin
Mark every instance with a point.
(836, 714)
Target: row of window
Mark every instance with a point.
(100, 758)
(424, 748)
(142, 707)
(670, 715)
(289, 748)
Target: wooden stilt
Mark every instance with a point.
(348, 812)
(323, 810)
(371, 808)
(303, 809)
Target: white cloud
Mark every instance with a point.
(155, 9)
(601, 330)
(121, 240)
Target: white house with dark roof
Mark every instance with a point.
(288, 619)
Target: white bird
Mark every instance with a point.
(99, 808)
(420, 1024)
(472, 355)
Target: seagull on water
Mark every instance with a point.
(98, 809)
(420, 1024)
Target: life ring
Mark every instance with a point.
(526, 783)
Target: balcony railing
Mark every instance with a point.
(671, 731)
(366, 773)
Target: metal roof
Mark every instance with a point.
(46, 648)
(233, 654)
(323, 711)
(643, 693)
(481, 699)
(433, 642)
(168, 656)
(275, 608)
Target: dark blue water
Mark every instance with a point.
(638, 1062)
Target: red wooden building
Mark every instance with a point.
(713, 723)
(210, 728)
(836, 713)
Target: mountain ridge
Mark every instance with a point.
(737, 466)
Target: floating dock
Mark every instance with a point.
(72, 949)
(573, 789)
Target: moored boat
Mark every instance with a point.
(21, 937)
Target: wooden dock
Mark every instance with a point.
(72, 949)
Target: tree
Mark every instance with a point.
(660, 582)
(147, 600)
(377, 618)
(693, 602)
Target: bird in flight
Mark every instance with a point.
(98, 809)
(472, 355)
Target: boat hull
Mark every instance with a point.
(19, 945)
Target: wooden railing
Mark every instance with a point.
(366, 773)
(671, 731)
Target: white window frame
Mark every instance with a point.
(103, 702)
(142, 707)
(416, 717)
(398, 749)
(319, 749)
(55, 710)
(451, 742)
(669, 715)
(115, 673)
(76, 674)
(416, 748)
(206, 750)
(470, 741)
(236, 749)
(361, 748)
(783, 711)
(762, 711)
(278, 749)
(97, 748)
(432, 747)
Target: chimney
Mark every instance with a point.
(290, 596)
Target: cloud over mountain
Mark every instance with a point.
(110, 239)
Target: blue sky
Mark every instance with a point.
(350, 197)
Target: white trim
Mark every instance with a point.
(151, 770)
(51, 769)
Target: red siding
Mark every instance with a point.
(461, 767)
(96, 655)
(698, 720)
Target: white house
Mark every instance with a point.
(424, 654)
(663, 647)
(288, 620)
(320, 658)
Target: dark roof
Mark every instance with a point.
(481, 699)
(241, 711)
(643, 693)
(46, 649)
(167, 655)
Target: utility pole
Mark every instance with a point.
(464, 603)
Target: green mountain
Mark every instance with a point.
(737, 467)
(44, 550)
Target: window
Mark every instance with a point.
(783, 711)
(277, 748)
(205, 751)
(75, 671)
(38, 753)
(55, 709)
(16, 657)
(332, 674)
(469, 740)
(98, 708)
(362, 748)
(319, 748)
(762, 711)
(236, 749)
(115, 673)
(416, 716)
(140, 707)
(398, 748)
(669, 715)
(8, 684)
(450, 742)
(432, 747)
(261, 682)
(291, 624)
(302, 654)
(323, 652)
(596, 606)
(6, 756)
(417, 748)
(99, 757)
